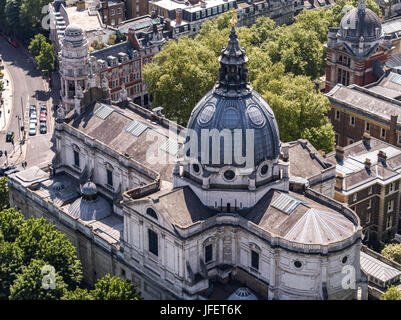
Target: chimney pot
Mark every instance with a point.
(382, 157)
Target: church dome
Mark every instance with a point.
(73, 30)
(233, 105)
(360, 22)
(90, 206)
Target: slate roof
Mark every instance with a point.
(378, 269)
(365, 101)
(112, 132)
(353, 168)
(308, 222)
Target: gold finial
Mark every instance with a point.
(233, 20)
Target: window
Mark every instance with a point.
(383, 133)
(391, 187)
(208, 253)
(343, 77)
(337, 114)
(367, 126)
(389, 222)
(119, 10)
(152, 213)
(76, 158)
(153, 242)
(350, 141)
(354, 197)
(337, 138)
(344, 260)
(390, 206)
(370, 190)
(255, 260)
(109, 177)
(352, 121)
(112, 12)
(297, 264)
(368, 216)
(369, 204)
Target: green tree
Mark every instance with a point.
(78, 294)
(40, 240)
(11, 263)
(36, 44)
(392, 252)
(392, 293)
(4, 197)
(12, 10)
(30, 284)
(11, 221)
(300, 111)
(179, 76)
(114, 288)
(46, 58)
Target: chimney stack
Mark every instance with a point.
(339, 153)
(382, 157)
(366, 140)
(368, 163)
(339, 181)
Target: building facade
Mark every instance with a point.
(368, 181)
(112, 12)
(356, 49)
(139, 203)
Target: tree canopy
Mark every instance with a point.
(282, 62)
(392, 252)
(392, 293)
(4, 199)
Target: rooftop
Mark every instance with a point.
(378, 269)
(130, 132)
(83, 19)
(367, 102)
(353, 168)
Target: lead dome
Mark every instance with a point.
(360, 22)
(233, 105)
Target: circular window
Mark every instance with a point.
(196, 168)
(256, 116)
(345, 259)
(264, 169)
(206, 114)
(229, 175)
(297, 264)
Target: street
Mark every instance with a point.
(29, 88)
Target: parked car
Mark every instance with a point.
(32, 108)
(33, 118)
(42, 117)
(4, 169)
(43, 128)
(43, 109)
(9, 136)
(32, 129)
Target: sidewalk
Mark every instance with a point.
(7, 96)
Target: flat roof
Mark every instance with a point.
(83, 19)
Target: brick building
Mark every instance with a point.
(356, 49)
(368, 182)
(112, 12)
(136, 8)
(374, 109)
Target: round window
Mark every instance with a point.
(206, 114)
(256, 116)
(297, 264)
(345, 259)
(264, 169)
(229, 175)
(196, 168)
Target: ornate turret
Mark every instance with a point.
(233, 75)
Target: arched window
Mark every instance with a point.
(152, 213)
(109, 173)
(76, 151)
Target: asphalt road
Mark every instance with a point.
(29, 88)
